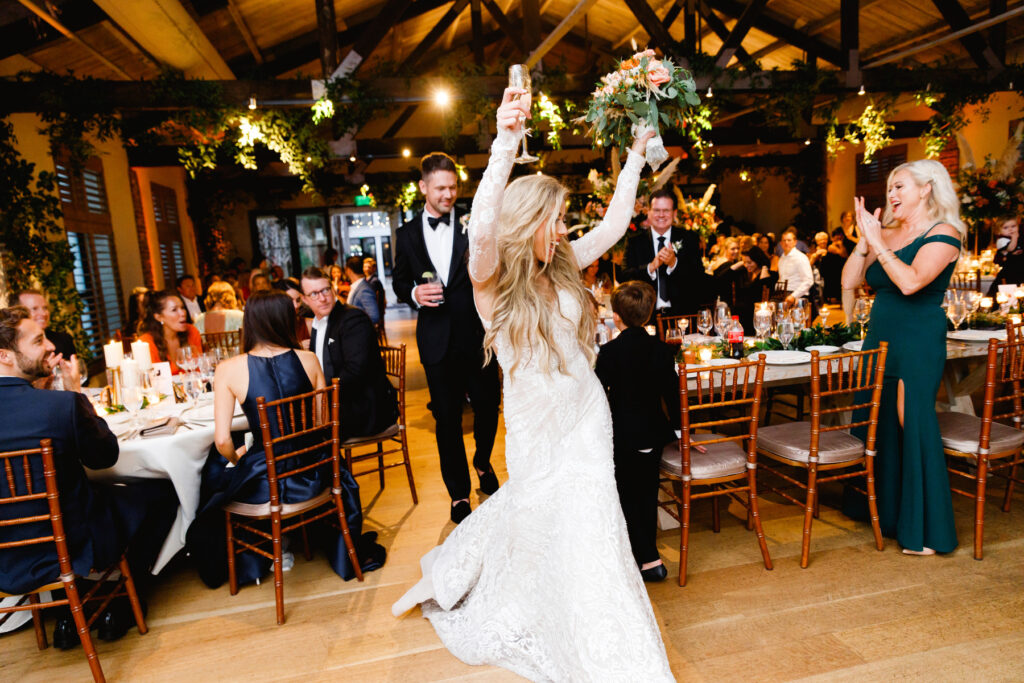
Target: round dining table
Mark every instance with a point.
(177, 456)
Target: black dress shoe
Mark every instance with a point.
(460, 511)
(489, 482)
(656, 573)
(65, 634)
(113, 624)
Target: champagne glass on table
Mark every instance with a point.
(956, 312)
(762, 322)
(861, 313)
(682, 324)
(723, 318)
(704, 321)
(519, 77)
(185, 359)
(786, 330)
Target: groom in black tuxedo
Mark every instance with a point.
(448, 330)
(677, 274)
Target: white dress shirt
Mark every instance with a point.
(439, 244)
(193, 308)
(320, 325)
(660, 303)
(795, 270)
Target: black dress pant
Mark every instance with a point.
(636, 478)
(459, 374)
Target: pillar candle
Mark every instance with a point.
(141, 354)
(113, 354)
(129, 373)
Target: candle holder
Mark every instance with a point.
(114, 382)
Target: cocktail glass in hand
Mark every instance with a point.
(519, 77)
(432, 279)
(704, 323)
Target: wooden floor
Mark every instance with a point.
(854, 614)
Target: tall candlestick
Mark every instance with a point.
(141, 354)
(113, 354)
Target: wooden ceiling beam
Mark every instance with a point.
(476, 31)
(389, 16)
(414, 57)
(997, 34)
(975, 44)
(243, 30)
(773, 25)
(849, 39)
(812, 29)
(327, 28)
(635, 31)
(718, 26)
(506, 26)
(734, 41)
(27, 35)
(564, 26)
(531, 24)
(70, 35)
(651, 23)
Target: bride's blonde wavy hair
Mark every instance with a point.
(520, 309)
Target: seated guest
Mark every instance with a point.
(35, 301)
(754, 276)
(338, 281)
(637, 371)
(1009, 256)
(222, 314)
(259, 281)
(166, 330)
(794, 268)
(360, 294)
(728, 254)
(99, 521)
(189, 293)
(273, 367)
(767, 244)
(344, 340)
(136, 311)
(303, 316)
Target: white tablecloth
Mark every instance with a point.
(178, 457)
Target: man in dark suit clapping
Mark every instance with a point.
(669, 259)
(448, 331)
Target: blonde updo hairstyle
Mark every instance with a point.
(221, 294)
(520, 308)
(942, 202)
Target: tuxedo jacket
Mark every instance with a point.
(688, 286)
(368, 400)
(202, 309)
(636, 370)
(454, 325)
(92, 522)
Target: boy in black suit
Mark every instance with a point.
(637, 371)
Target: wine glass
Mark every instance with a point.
(519, 77)
(132, 394)
(785, 332)
(193, 387)
(682, 324)
(762, 322)
(797, 315)
(185, 358)
(861, 313)
(206, 364)
(723, 318)
(956, 312)
(704, 321)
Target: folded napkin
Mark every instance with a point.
(160, 427)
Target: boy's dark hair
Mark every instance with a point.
(667, 193)
(436, 161)
(634, 302)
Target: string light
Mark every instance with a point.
(352, 158)
(442, 97)
(309, 159)
(710, 93)
(252, 101)
(406, 152)
(807, 141)
(703, 166)
(862, 91)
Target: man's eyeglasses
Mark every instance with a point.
(320, 293)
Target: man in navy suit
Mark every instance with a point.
(448, 330)
(99, 521)
(360, 293)
(669, 259)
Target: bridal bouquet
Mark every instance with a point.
(641, 94)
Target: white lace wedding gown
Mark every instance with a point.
(540, 579)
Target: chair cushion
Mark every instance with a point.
(961, 432)
(356, 440)
(792, 440)
(721, 460)
(261, 510)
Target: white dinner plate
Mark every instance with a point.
(854, 345)
(205, 413)
(823, 349)
(977, 335)
(784, 357)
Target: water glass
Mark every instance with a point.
(786, 330)
(704, 321)
(762, 322)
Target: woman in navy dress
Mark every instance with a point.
(272, 366)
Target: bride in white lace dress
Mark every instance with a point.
(540, 578)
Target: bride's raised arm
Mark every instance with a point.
(620, 209)
(483, 252)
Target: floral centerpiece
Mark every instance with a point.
(992, 190)
(643, 92)
(697, 215)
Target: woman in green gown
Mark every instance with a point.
(909, 263)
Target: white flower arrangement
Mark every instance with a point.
(464, 221)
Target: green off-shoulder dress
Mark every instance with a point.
(915, 505)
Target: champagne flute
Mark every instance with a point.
(861, 313)
(762, 322)
(519, 77)
(956, 312)
(704, 321)
(786, 330)
(185, 359)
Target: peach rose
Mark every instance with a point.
(658, 75)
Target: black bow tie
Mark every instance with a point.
(432, 222)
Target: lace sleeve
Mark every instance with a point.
(616, 219)
(483, 253)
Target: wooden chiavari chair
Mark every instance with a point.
(723, 465)
(668, 322)
(394, 439)
(228, 342)
(382, 335)
(780, 291)
(966, 281)
(979, 446)
(310, 423)
(19, 487)
(829, 453)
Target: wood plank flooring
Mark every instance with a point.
(855, 614)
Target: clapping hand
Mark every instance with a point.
(869, 224)
(514, 109)
(667, 255)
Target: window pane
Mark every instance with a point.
(275, 244)
(312, 235)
